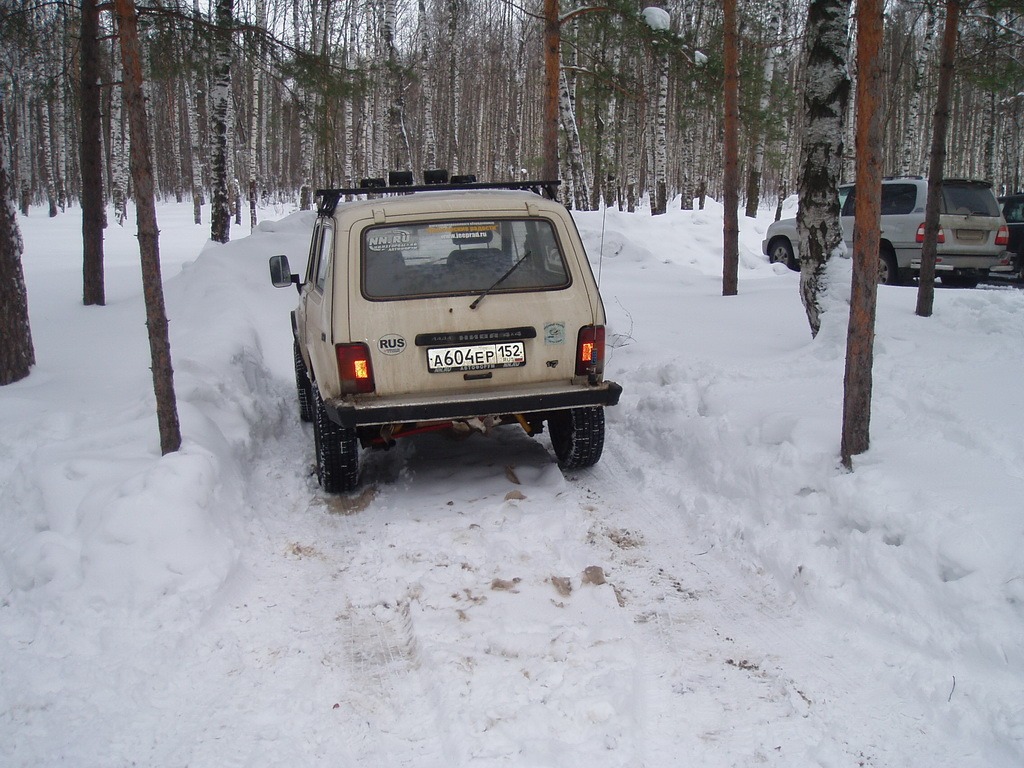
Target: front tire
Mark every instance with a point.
(337, 450)
(781, 252)
(888, 270)
(577, 435)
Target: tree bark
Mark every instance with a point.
(91, 148)
(17, 355)
(861, 334)
(730, 175)
(220, 213)
(148, 233)
(825, 100)
(937, 161)
(552, 68)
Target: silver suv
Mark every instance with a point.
(446, 306)
(972, 233)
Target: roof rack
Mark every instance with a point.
(327, 199)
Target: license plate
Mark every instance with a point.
(507, 354)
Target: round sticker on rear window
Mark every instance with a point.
(391, 344)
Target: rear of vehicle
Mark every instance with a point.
(972, 234)
(1013, 213)
(462, 310)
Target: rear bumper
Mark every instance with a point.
(965, 262)
(370, 410)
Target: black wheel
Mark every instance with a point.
(577, 435)
(781, 252)
(888, 270)
(337, 451)
(303, 385)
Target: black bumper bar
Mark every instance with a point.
(349, 414)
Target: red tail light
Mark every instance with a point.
(1003, 235)
(354, 368)
(590, 350)
(920, 234)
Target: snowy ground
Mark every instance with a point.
(717, 592)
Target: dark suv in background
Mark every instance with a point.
(1013, 212)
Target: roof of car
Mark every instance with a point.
(328, 199)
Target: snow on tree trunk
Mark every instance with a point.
(826, 93)
(17, 355)
(220, 96)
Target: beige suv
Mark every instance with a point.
(448, 306)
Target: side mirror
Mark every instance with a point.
(280, 272)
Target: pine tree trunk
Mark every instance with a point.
(857, 382)
(93, 218)
(552, 68)
(148, 232)
(937, 163)
(730, 176)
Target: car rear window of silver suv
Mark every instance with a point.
(969, 200)
(455, 257)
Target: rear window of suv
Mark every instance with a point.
(444, 258)
(969, 200)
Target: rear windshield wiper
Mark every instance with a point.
(500, 280)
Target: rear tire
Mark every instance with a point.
(337, 451)
(303, 385)
(577, 435)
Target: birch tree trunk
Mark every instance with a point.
(198, 197)
(220, 213)
(254, 117)
(911, 148)
(148, 232)
(756, 169)
(119, 147)
(660, 197)
(17, 355)
(825, 96)
(577, 169)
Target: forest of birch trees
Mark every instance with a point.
(315, 93)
